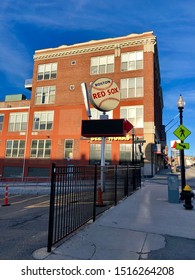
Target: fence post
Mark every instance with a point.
(127, 180)
(115, 183)
(140, 177)
(134, 177)
(95, 193)
(51, 209)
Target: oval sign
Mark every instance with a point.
(104, 94)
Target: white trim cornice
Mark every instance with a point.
(14, 108)
(148, 43)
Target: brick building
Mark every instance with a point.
(47, 128)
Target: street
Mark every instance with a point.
(24, 226)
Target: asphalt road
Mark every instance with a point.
(24, 226)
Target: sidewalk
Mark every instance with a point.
(143, 226)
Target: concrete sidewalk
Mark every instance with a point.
(139, 227)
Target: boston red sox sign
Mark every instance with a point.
(104, 94)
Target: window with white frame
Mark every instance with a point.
(95, 153)
(47, 71)
(134, 114)
(1, 121)
(43, 120)
(125, 153)
(131, 87)
(102, 64)
(68, 148)
(132, 61)
(15, 148)
(95, 114)
(45, 95)
(40, 148)
(17, 121)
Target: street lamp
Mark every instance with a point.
(180, 105)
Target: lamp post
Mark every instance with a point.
(180, 106)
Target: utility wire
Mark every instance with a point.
(172, 120)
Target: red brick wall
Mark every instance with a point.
(69, 107)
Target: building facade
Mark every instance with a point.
(47, 128)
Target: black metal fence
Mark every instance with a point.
(80, 193)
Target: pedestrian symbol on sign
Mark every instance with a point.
(182, 132)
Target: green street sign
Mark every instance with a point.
(182, 132)
(182, 146)
(139, 141)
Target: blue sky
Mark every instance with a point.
(26, 26)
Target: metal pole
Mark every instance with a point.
(182, 160)
(51, 208)
(95, 193)
(133, 146)
(115, 183)
(103, 117)
(103, 163)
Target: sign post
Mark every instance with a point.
(103, 145)
(104, 96)
(182, 133)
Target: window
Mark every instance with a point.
(18, 122)
(95, 153)
(12, 171)
(68, 149)
(15, 148)
(132, 61)
(43, 120)
(40, 149)
(102, 64)
(45, 95)
(132, 87)
(134, 114)
(38, 172)
(47, 71)
(1, 122)
(125, 153)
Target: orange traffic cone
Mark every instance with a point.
(6, 201)
(100, 200)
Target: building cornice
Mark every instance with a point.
(10, 108)
(97, 46)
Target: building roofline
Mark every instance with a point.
(132, 35)
(14, 108)
(95, 45)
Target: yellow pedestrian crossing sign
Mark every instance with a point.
(182, 132)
